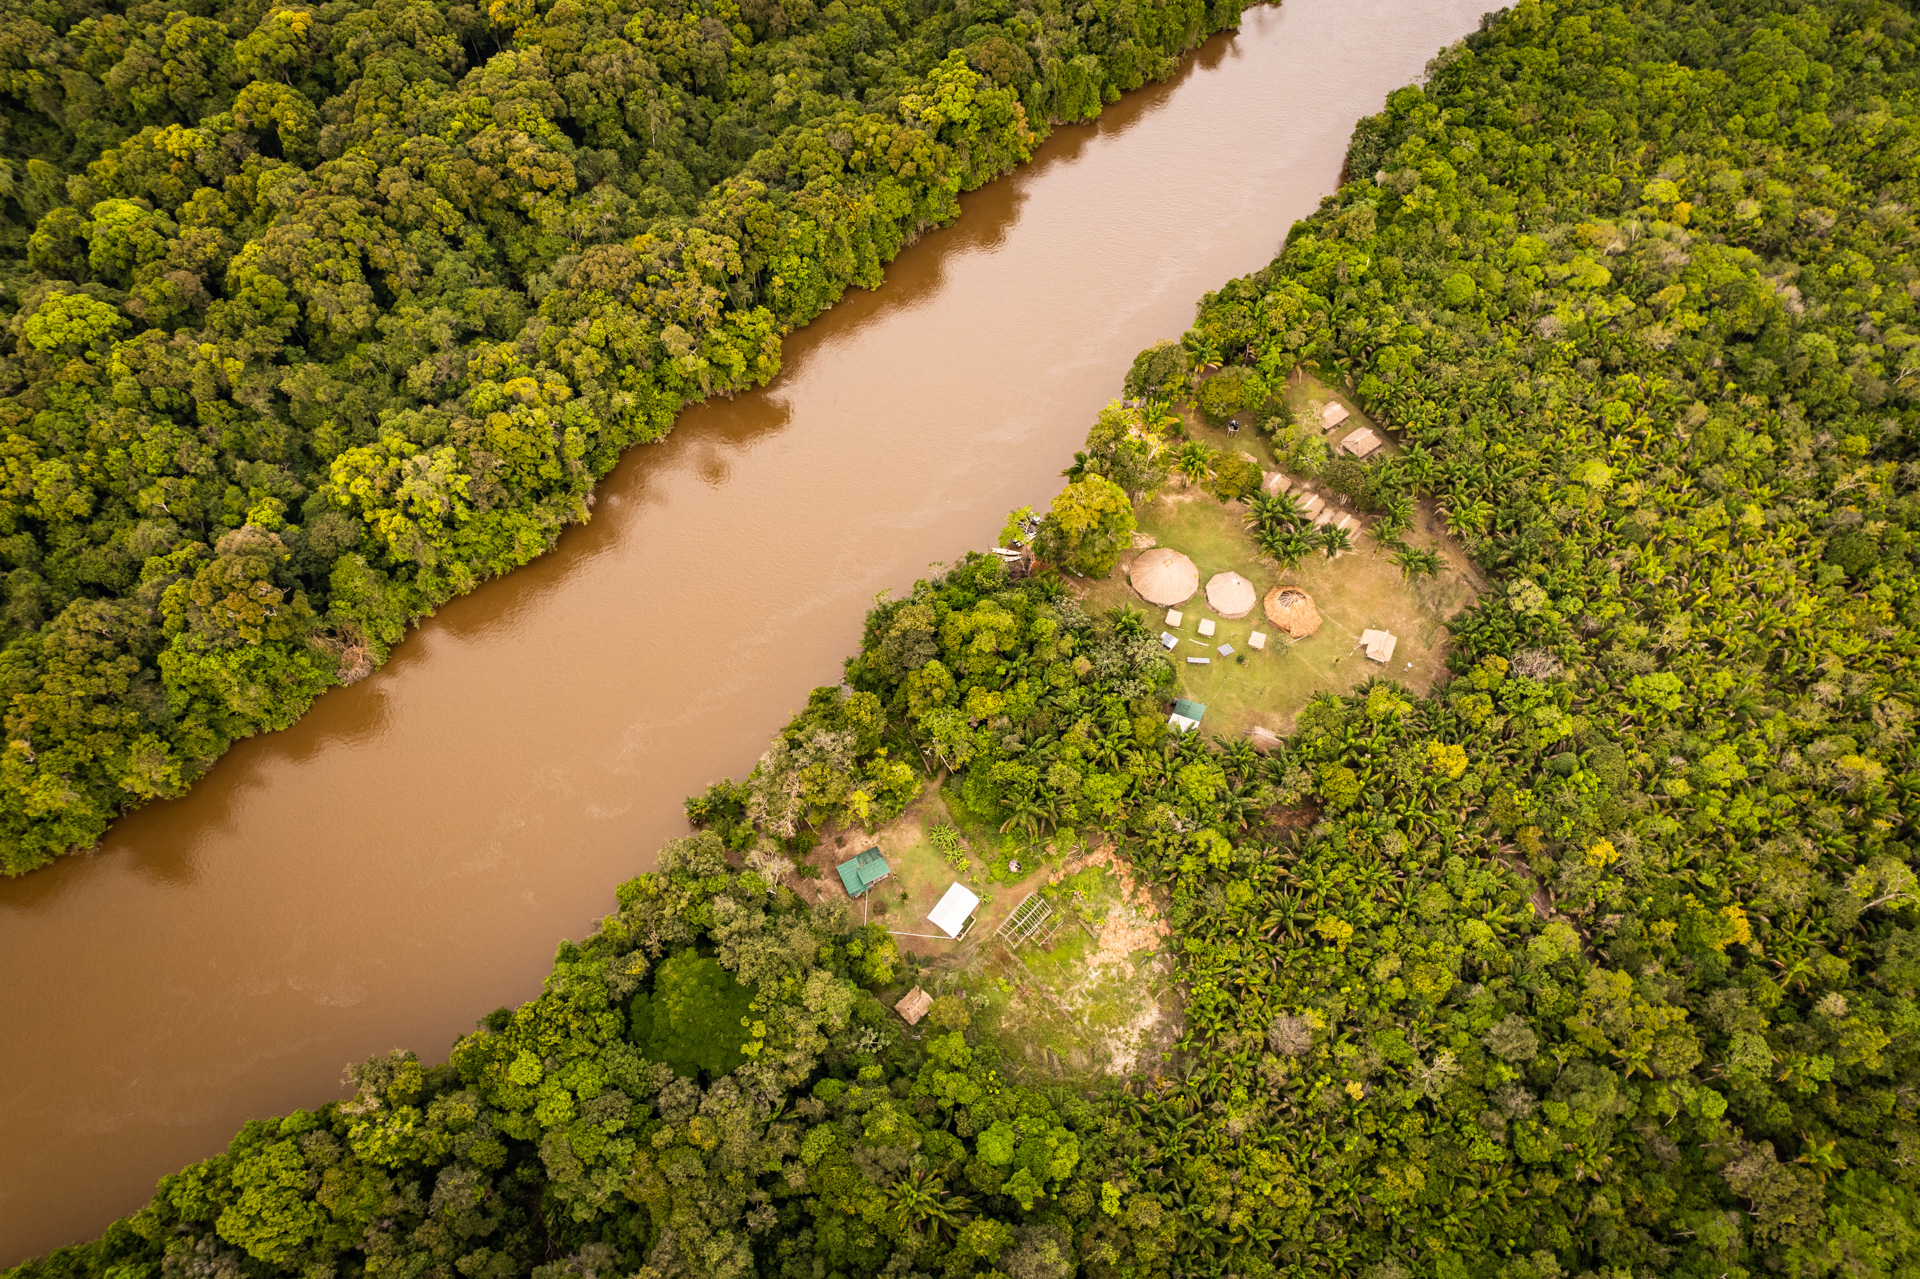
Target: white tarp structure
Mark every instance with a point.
(954, 910)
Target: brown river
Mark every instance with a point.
(406, 857)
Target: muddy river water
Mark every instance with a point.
(405, 858)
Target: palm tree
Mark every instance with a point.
(1414, 562)
(1288, 545)
(1395, 518)
(921, 1199)
(1195, 460)
(1160, 416)
(1334, 539)
(1279, 510)
(1083, 466)
(1471, 517)
(1031, 814)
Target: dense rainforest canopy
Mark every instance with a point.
(1600, 961)
(316, 315)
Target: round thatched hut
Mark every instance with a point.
(1291, 610)
(1165, 577)
(1230, 595)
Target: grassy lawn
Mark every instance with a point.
(1094, 996)
(1361, 590)
(919, 874)
(1306, 396)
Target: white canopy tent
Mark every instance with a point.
(954, 910)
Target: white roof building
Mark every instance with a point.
(954, 910)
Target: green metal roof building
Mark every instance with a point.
(863, 872)
(1186, 715)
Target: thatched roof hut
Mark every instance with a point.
(1291, 610)
(1165, 577)
(1379, 644)
(1362, 443)
(1231, 595)
(914, 1006)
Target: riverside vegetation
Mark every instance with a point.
(1599, 961)
(319, 314)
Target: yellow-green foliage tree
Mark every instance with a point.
(1089, 523)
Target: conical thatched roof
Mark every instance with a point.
(1291, 609)
(1165, 577)
(1230, 595)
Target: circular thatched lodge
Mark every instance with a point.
(1164, 577)
(1291, 610)
(1231, 595)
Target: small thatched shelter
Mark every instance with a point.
(1362, 443)
(1165, 577)
(914, 1006)
(1231, 595)
(1264, 739)
(1332, 414)
(1291, 610)
(1379, 644)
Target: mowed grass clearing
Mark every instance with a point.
(1361, 590)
